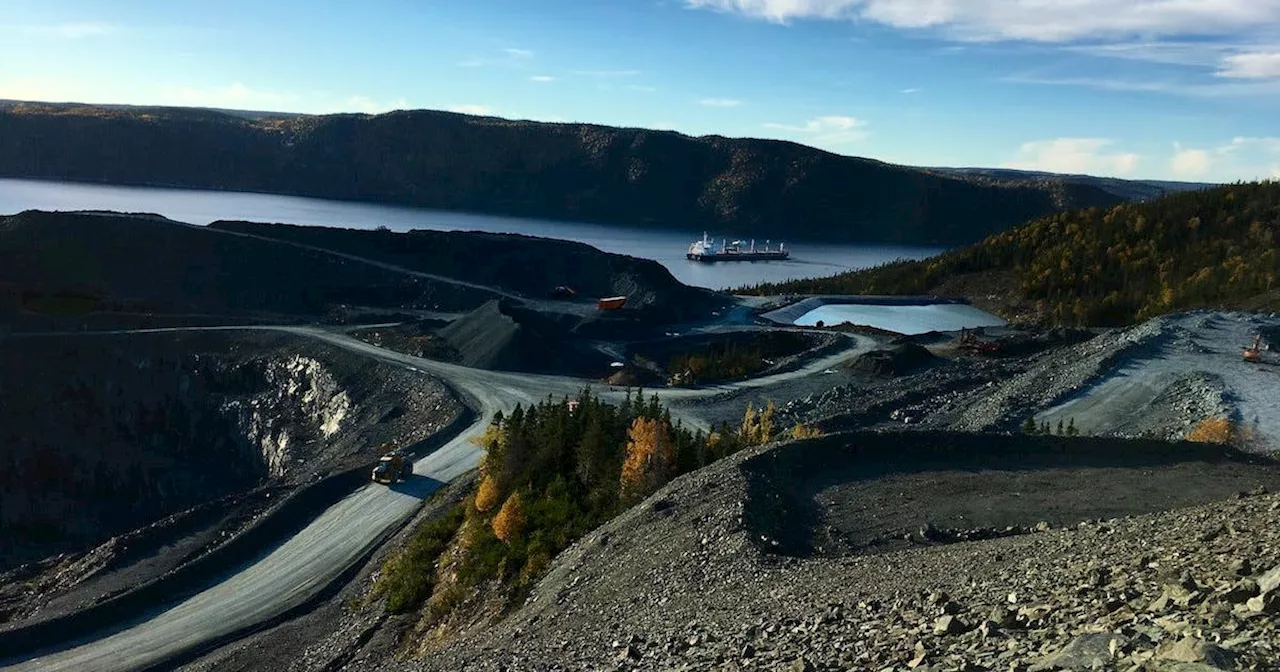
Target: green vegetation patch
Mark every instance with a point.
(1207, 249)
(552, 473)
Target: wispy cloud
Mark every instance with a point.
(73, 31)
(720, 102)
(369, 106)
(1074, 156)
(1232, 39)
(607, 74)
(909, 91)
(1031, 20)
(1258, 65)
(542, 78)
(478, 110)
(511, 57)
(235, 96)
(828, 130)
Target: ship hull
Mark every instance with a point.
(739, 256)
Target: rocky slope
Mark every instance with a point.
(106, 434)
(1098, 572)
(559, 171)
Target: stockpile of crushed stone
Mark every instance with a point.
(500, 335)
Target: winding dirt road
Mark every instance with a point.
(317, 556)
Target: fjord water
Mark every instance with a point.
(908, 320)
(667, 247)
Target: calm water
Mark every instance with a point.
(665, 247)
(903, 319)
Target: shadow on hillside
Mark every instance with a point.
(872, 492)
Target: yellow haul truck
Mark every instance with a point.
(392, 468)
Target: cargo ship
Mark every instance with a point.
(707, 250)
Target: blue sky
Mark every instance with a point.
(1168, 89)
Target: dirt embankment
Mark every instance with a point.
(188, 437)
(693, 579)
(522, 266)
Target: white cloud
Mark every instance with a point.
(369, 106)
(74, 31)
(607, 74)
(720, 102)
(519, 53)
(1033, 20)
(1238, 144)
(1073, 156)
(478, 110)
(1258, 65)
(542, 78)
(234, 96)
(910, 91)
(828, 130)
(1190, 163)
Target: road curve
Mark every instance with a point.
(311, 560)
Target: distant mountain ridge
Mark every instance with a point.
(572, 172)
(1129, 190)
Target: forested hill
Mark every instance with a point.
(656, 179)
(1104, 266)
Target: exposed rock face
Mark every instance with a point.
(104, 434)
(303, 403)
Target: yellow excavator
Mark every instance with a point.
(1253, 353)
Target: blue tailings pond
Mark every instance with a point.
(907, 317)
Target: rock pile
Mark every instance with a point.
(1192, 590)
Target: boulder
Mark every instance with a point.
(1093, 651)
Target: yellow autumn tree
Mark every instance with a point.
(649, 460)
(803, 431)
(1213, 430)
(488, 495)
(757, 427)
(750, 421)
(509, 523)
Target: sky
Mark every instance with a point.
(1152, 89)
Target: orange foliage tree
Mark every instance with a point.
(510, 521)
(650, 458)
(488, 495)
(1214, 430)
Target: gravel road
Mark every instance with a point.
(1189, 368)
(303, 566)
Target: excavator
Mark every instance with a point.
(1253, 352)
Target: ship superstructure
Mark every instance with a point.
(738, 250)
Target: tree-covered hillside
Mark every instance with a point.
(575, 172)
(1105, 266)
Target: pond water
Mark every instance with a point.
(667, 247)
(907, 320)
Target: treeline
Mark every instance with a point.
(733, 358)
(553, 472)
(570, 172)
(1206, 249)
(720, 361)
